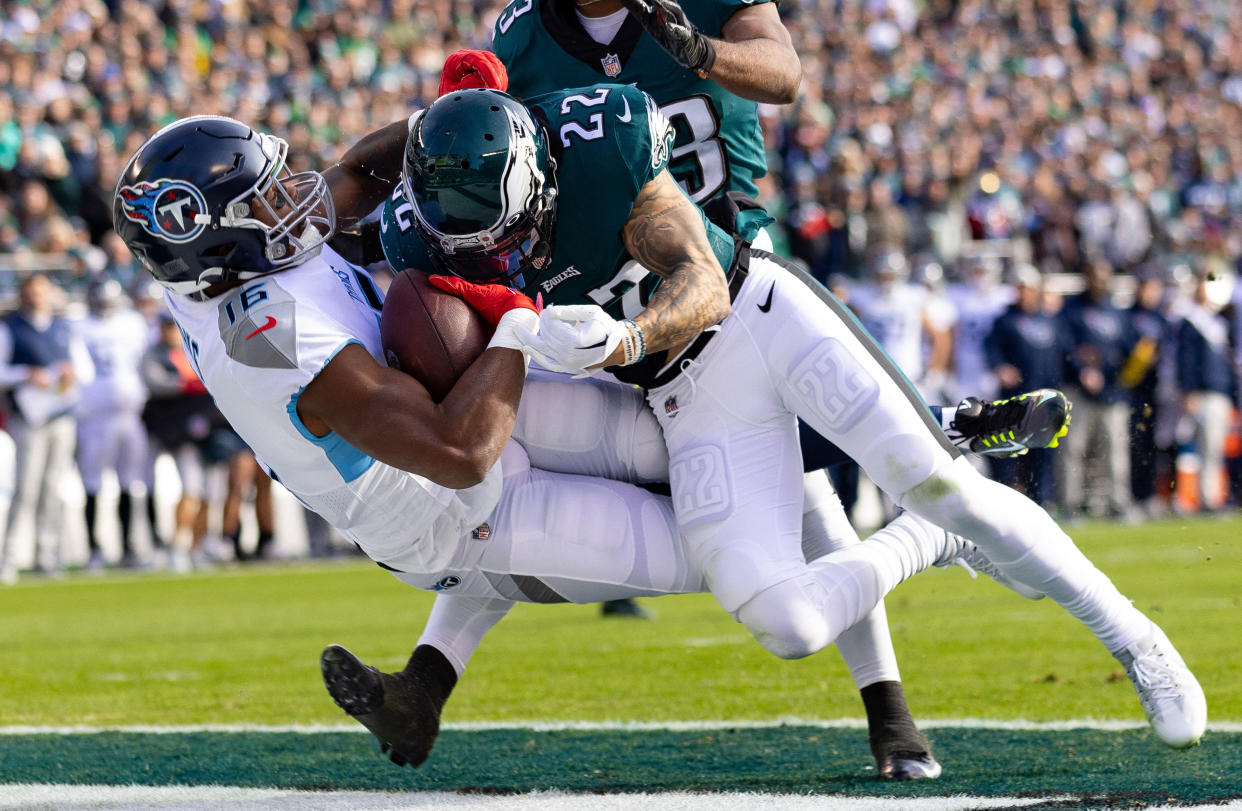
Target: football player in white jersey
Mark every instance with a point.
(111, 435)
(284, 333)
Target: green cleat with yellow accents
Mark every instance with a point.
(1036, 419)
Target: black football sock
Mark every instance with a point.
(125, 513)
(235, 539)
(157, 540)
(889, 723)
(92, 504)
(433, 671)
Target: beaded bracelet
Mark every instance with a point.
(634, 344)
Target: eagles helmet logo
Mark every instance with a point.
(168, 209)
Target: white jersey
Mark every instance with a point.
(116, 342)
(977, 311)
(894, 317)
(257, 348)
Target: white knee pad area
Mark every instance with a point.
(788, 619)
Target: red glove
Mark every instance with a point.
(491, 300)
(466, 69)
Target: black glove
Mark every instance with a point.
(667, 22)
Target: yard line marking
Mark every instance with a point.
(165, 798)
(603, 726)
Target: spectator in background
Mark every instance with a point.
(1025, 351)
(111, 435)
(245, 473)
(179, 416)
(1095, 456)
(1124, 125)
(888, 225)
(42, 364)
(1206, 372)
(1140, 374)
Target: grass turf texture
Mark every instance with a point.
(241, 646)
(1100, 768)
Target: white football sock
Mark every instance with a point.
(458, 624)
(867, 646)
(1021, 538)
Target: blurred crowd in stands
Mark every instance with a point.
(985, 159)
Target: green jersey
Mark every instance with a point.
(608, 141)
(718, 145)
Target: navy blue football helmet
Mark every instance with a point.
(208, 200)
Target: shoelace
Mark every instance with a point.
(1154, 675)
(995, 419)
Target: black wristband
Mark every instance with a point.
(708, 60)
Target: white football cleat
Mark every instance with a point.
(972, 559)
(1171, 696)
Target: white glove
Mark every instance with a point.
(515, 330)
(572, 338)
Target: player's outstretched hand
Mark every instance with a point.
(666, 21)
(491, 300)
(576, 338)
(465, 69)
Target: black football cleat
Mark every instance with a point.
(1036, 419)
(398, 708)
(909, 766)
(624, 607)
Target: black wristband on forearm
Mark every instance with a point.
(707, 61)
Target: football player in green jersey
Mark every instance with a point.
(570, 197)
(707, 63)
(549, 45)
(900, 749)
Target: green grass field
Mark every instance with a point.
(241, 646)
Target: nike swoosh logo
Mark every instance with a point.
(626, 116)
(599, 345)
(271, 322)
(767, 305)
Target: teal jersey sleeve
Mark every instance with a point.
(718, 145)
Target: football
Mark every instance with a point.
(429, 334)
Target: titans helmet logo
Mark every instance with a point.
(165, 208)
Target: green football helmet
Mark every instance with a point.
(482, 182)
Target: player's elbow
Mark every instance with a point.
(464, 466)
(787, 78)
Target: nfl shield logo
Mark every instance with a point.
(612, 65)
(670, 406)
(481, 533)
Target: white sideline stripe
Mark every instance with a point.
(192, 798)
(608, 726)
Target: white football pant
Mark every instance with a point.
(787, 350)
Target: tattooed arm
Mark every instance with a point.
(665, 234)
